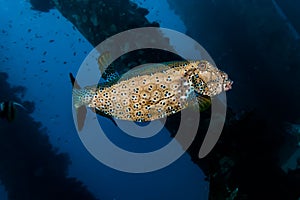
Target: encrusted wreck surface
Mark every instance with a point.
(239, 34)
(30, 167)
(256, 45)
(98, 20)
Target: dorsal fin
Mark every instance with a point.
(108, 71)
(103, 61)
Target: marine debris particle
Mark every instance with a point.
(37, 36)
(94, 20)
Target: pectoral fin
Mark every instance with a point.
(204, 102)
(200, 103)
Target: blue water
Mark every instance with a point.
(38, 50)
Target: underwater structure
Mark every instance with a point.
(255, 38)
(246, 162)
(26, 152)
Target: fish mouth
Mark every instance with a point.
(228, 85)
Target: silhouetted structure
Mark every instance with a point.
(254, 45)
(30, 168)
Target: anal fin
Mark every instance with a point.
(99, 112)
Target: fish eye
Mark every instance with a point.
(202, 65)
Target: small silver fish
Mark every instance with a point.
(8, 109)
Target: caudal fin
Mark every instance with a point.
(80, 108)
(73, 81)
(81, 114)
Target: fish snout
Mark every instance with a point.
(228, 85)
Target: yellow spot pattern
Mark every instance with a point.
(153, 96)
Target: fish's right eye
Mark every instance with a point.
(202, 65)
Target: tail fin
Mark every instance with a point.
(79, 106)
(73, 81)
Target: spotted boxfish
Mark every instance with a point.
(152, 91)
